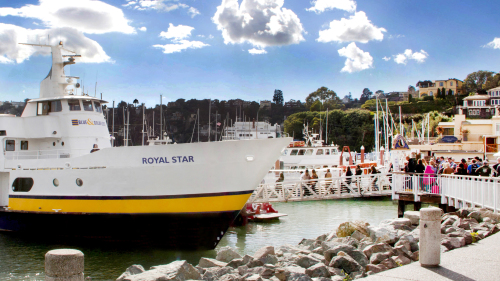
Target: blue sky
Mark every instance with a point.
(227, 49)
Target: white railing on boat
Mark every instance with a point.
(454, 190)
(323, 188)
(45, 154)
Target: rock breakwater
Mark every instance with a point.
(354, 250)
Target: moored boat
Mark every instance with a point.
(179, 196)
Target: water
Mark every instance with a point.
(23, 259)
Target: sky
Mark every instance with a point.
(229, 49)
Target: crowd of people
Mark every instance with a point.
(440, 165)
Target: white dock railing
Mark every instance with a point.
(455, 190)
(323, 188)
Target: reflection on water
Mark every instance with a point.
(23, 258)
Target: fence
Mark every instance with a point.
(323, 188)
(455, 190)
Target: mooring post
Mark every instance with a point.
(430, 237)
(401, 208)
(64, 265)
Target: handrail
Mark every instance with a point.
(45, 154)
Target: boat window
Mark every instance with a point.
(42, 108)
(79, 182)
(302, 151)
(74, 105)
(87, 105)
(294, 152)
(309, 152)
(285, 152)
(3, 133)
(55, 182)
(327, 151)
(55, 106)
(97, 106)
(22, 184)
(10, 145)
(24, 145)
(319, 152)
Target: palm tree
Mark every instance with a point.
(136, 102)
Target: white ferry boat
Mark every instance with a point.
(180, 196)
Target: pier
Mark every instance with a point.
(449, 192)
(375, 185)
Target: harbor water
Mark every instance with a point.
(22, 258)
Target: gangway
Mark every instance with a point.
(370, 185)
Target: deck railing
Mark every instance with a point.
(324, 188)
(45, 154)
(454, 190)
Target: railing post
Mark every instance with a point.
(430, 237)
(64, 265)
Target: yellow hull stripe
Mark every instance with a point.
(127, 206)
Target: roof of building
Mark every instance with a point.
(477, 97)
(478, 122)
(494, 89)
(446, 123)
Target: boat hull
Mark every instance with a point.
(172, 231)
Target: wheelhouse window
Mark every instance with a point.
(87, 105)
(55, 106)
(319, 152)
(74, 105)
(302, 151)
(43, 108)
(327, 151)
(294, 152)
(24, 145)
(10, 145)
(309, 152)
(97, 106)
(22, 184)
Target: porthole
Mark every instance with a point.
(54, 144)
(55, 182)
(79, 182)
(22, 184)
(62, 143)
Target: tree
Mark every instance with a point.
(316, 106)
(136, 102)
(379, 93)
(365, 95)
(278, 97)
(450, 92)
(439, 94)
(475, 81)
(327, 97)
(443, 92)
(410, 98)
(492, 82)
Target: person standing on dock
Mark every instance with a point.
(485, 170)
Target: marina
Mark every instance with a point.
(23, 258)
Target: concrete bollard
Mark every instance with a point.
(64, 265)
(430, 237)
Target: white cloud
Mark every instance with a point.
(357, 60)
(495, 44)
(143, 28)
(396, 36)
(386, 58)
(410, 55)
(11, 35)
(357, 28)
(193, 12)
(320, 6)
(181, 45)
(84, 15)
(257, 51)
(177, 32)
(161, 5)
(260, 23)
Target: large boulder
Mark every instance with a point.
(377, 258)
(453, 242)
(413, 216)
(377, 248)
(292, 273)
(318, 270)
(401, 260)
(263, 252)
(358, 235)
(176, 271)
(227, 254)
(131, 270)
(346, 263)
(307, 261)
(208, 262)
(235, 263)
(214, 273)
(385, 233)
(354, 253)
(287, 248)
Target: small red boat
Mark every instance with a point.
(262, 212)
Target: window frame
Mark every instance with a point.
(76, 106)
(86, 103)
(10, 145)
